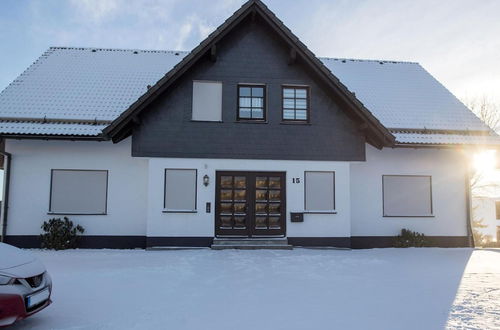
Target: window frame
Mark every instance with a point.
(308, 104)
(165, 209)
(334, 211)
(497, 210)
(264, 103)
(431, 215)
(77, 213)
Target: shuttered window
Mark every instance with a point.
(407, 195)
(180, 190)
(207, 101)
(78, 191)
(319, 191)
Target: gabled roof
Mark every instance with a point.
(378, 134)
(77, 92)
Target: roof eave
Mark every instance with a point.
(55, 137)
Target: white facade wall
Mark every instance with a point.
(32, 161)
(201, 224)
(136, 191)
(448, 170)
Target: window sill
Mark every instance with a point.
(206, 121)
(70, 213)
(409, 216)
(320, 212)
(251, 121)
(298, 122)
(179, 211)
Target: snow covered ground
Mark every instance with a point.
(300, 289)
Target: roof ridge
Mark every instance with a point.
(119, 49)
(366, 60)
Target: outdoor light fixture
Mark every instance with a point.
(206, 180)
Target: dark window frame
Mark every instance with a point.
(432, 215)
(165, 210)
(334, 211)
(77, 170)
(264, 103)
(308, 103)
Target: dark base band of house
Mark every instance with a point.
(132, 242)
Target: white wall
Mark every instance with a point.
(202, 224)
(358, 190)
(447, 168)
(32, 162)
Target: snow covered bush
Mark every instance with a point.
(410, 238)
(60, 234)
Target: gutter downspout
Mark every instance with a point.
(5, 202)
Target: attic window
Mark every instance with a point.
(295, 103)
(251, 102)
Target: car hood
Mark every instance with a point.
(18, 263)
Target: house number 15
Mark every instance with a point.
(296, 180)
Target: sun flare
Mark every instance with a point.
(485, 161)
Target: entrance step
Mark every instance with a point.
(251, 244)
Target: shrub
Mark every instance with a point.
(410, 238)
(60, 234)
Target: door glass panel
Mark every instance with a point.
(261, 222)
(274, 182)
(226, 195)
(274, 195)
(226, 181)
(261, 182)
(239, 222)
(261, 208)
(226, 208)
(240, 182)
(240, 195)
(261, 195)
(274, 222)
(275, 208)
(226, 222)
(240, 208)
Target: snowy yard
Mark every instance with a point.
(299, 289)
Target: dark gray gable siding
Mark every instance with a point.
(249, 54)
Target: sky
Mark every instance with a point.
(457, 41)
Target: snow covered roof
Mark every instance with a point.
(79, 91)
(440, 138)
(50, 128)
(404, 95)
(84, 83)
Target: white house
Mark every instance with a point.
(248, 135)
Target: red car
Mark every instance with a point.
(25, 285)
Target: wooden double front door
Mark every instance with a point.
(250, 204)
